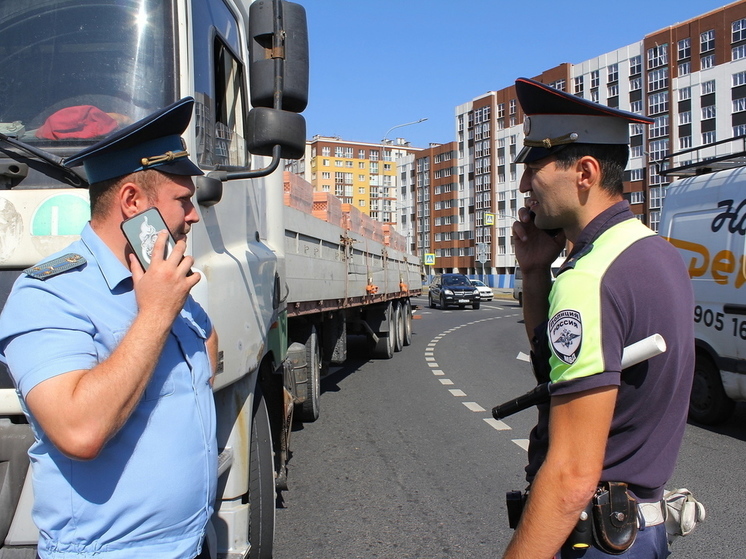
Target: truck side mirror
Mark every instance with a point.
(278, 31)
(270, 127)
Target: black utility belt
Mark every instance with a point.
(609, 520)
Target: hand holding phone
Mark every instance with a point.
(141, 231)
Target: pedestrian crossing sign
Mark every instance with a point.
(429, 259)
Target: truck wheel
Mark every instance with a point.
(384, 348)
(407, 312)
(398, 326)
(261, 483)
(708, 403)
(309, 409)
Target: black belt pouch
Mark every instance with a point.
(614, 518)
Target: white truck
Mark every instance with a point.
(704, 216)
(282, 286)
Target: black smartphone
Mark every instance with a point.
(141, 231)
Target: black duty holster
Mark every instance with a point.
(614, 517)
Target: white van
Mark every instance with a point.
(518, 281)
(704, 216)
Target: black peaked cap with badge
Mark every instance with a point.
(555, 119)
(154, 142)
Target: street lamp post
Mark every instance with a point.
(386, 135)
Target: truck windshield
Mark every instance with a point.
(72, 71)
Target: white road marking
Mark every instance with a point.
(432, 365)
(473, 406)
(438, 372)
(457, 392)
(446, 381)
(523, 443)
(521, 357)
(497, 424)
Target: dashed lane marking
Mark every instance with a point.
(458, 393)
(497, 424)
(473, 406)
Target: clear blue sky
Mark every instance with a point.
(379, 63)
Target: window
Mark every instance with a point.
(707, 62)
(578, 84)
(658, 149)
(636, 174)
(635, 151)
(707, 41)
(708, 112)
(636, 107)
(637, 197)
(739, 52)
(658, 79)
(739, 130)
(613, 90)
(685, 68)
(738, 30)
(739, 105)
(594, 95)
(658, 56)
(658, 103)
(685, 93)
(685, 48)
(739, 79)
(659, 127)
(685, 117)
(635, 84)
(501, 110)
(635, 65)
(685, 142)
(708, 137)
(594, 79)
(512, 106)
(708, 87)
(613, 73)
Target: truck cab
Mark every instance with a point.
(75, 71)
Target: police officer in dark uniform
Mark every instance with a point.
(608, 437)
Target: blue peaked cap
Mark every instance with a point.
(154, 142)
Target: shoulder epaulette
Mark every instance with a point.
(54, 267)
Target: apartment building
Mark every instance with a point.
(690, 77)
(362, 174)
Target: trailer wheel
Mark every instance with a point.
(398, 326)
(309, 409)
(384, 347)
(407, 313)
(708, 403)
(261, 496)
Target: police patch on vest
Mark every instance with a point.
(566, 335)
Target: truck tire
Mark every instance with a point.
(261, 495)
(398, 326)
(407, 313)
(708, 403)
(384, 347)
(309, 409)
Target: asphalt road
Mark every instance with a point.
(406, 461)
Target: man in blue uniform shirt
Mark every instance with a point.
(607, 432)
(114, 365)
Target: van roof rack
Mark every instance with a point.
(717, 156)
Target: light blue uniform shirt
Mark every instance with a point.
(150, 491)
